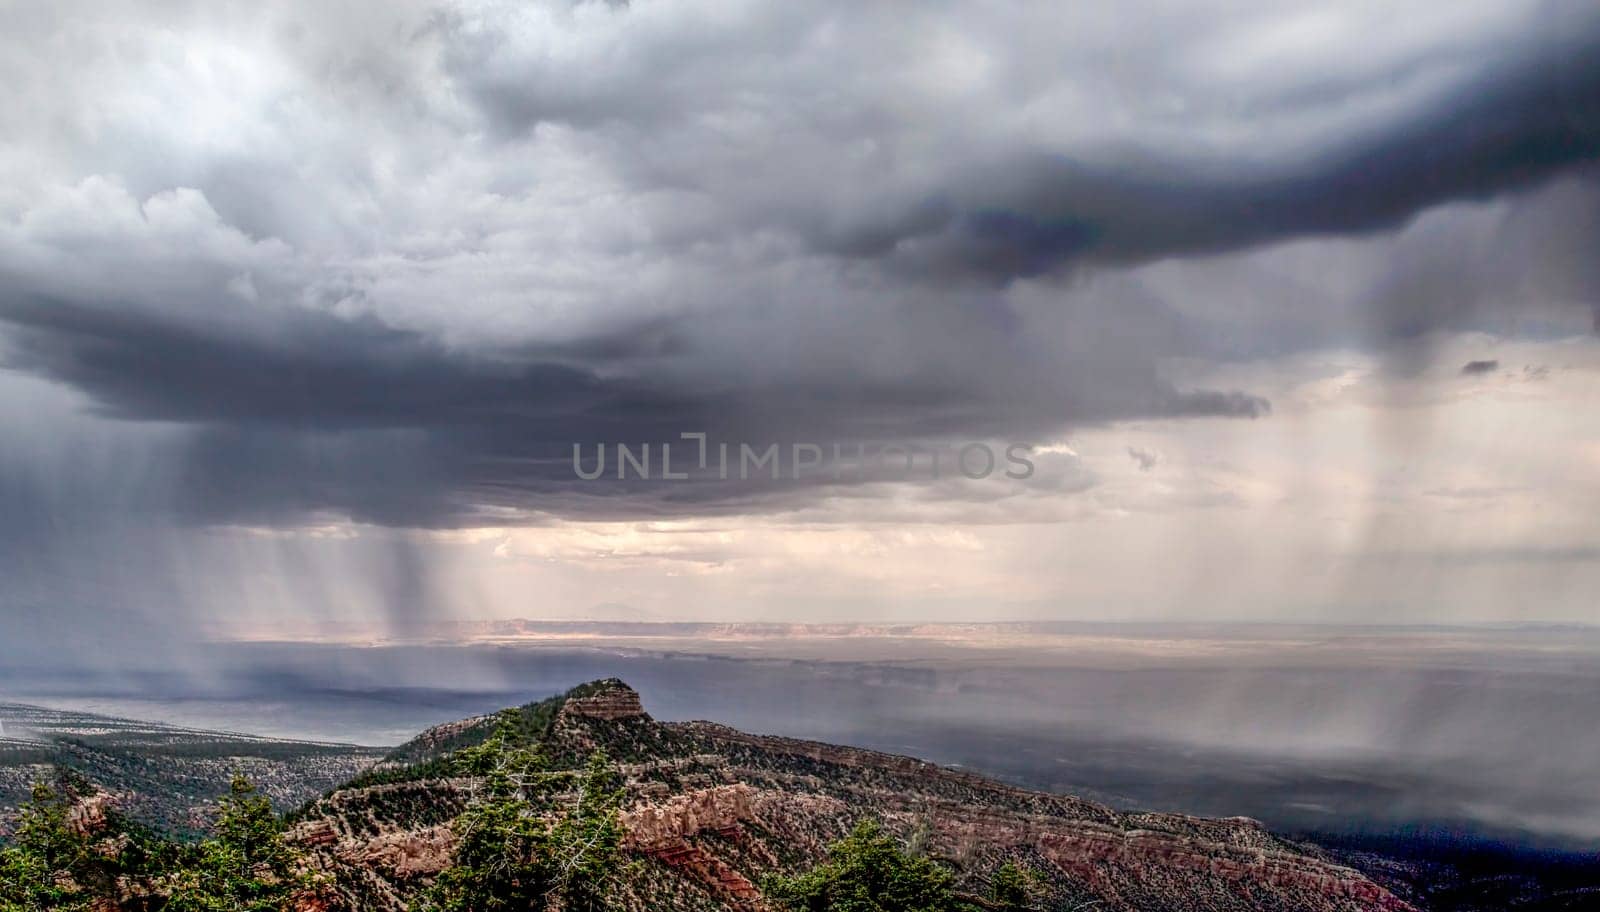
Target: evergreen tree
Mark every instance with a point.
(1012, 889)
(517, 847)
(43, 867)
(494, 866)
(585, 845)
(868, 871)
(246, 867)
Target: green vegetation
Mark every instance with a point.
(525, 842)
(45, 867)
(1016, 888)
(869, 871)
(159, 770)
(59, 860)
(531, 838)
(435, 757)
(534, 802)
(247, 867)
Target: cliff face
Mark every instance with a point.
(711, 810)
(610, 700)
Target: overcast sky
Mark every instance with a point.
(303, 307)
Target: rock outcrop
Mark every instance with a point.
(90, 813)
(652, 825)
(610, 699)
(721, 880)
(710, 811)
(406, 854)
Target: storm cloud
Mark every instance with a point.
(390, 263)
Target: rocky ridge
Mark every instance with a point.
(710, 811)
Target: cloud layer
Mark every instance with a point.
(459, 238)
(387, 263)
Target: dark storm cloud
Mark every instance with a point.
(385, 428)
(316, 370)
(452, 242)
(1506, 131)
(390, 427)
(1530, 108)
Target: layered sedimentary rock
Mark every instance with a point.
(611, 700)
(711, 811)
(650, 825)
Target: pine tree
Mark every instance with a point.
(585, 844)
(246, 867)
(868, 871)
(517, 848)
(44, 866)
(1012, 888)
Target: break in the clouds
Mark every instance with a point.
(385, 263)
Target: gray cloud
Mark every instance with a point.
(951, 181)
(1480, 367)
(1143, 458)
(394, 266)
